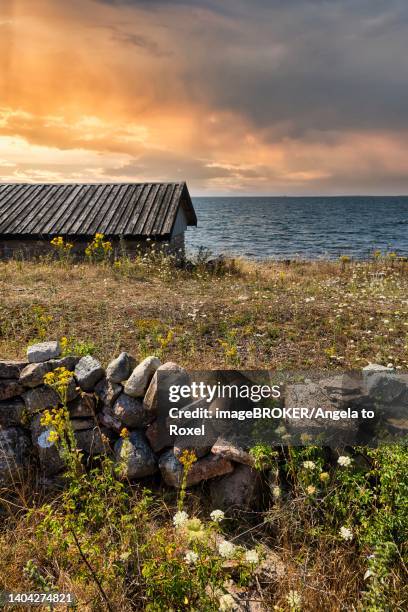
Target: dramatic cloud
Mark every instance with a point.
(240, 96)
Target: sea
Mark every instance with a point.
(300, 227)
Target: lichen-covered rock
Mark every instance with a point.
(232, 451)
(42, 398)
(107, 419)
(10, 388)
(12, 412)
(139, 380)
(47, 451)
(107, 391)
(43, 351)
(88, 371)
(10, 368)
(240, 489)
(120, 368)
(14, 454)
(83, 406)
(129, 411)
(169, 374)
(33, 374)
(203, 469)
(135, 456)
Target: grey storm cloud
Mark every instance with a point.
(303, 64)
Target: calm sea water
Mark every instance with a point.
(309, 228)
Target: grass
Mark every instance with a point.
(323, 315)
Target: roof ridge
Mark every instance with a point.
(97, 183)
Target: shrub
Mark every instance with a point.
(99, 250)
(62, 248)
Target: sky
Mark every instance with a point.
(237, 97)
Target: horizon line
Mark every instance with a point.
(347, 195)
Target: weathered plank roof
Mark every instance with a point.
(114, 209)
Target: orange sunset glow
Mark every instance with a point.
(304, 97)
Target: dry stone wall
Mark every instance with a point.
(102, 402)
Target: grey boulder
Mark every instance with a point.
(33, 374)
(14, 453)
(43, 351)
(135, 457)
(387, 387)
(107, 392)
(109, 421)
(120, 368)
(240, 489)
(41, 398)
(50, 460)
(167, 374)
(82, 424)
(12, 412)
(91, 441)
(159, 437)
(203, 469)
(11, 369)
(231, 450)
(129, 411)
(82, 406)
(10, 388)
(139, 380)
(88, 372)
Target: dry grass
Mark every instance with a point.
(303, 315)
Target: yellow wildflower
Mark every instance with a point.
(53, 436)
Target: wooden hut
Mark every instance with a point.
(128, 214)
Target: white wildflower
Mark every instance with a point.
(344, 461)
(191, 557)
(346, 533)
(180, 518)
(294, 599)
(251, 556)
(226, 549)
(309, 465)
(217, 516)
(226, 603)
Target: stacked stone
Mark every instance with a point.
(115, 410)
(102, 404)
(14, 437)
